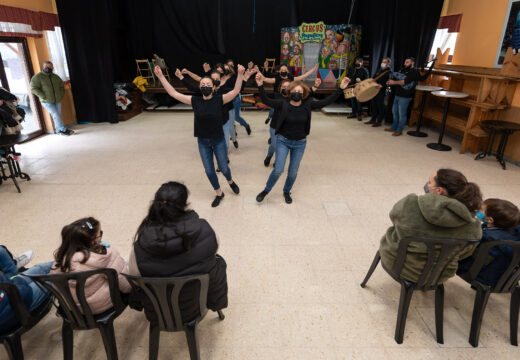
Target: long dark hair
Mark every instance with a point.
(78, 236)
(170, 203)
(459, 188)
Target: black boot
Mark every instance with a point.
(269, 141)
(267, 120)
(260, 197)
(288, 198)
(234, 187)
(217, 200)
(235, 144)
(267, 161)
(248, 130)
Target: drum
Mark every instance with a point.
(349, 93)
(366, 90)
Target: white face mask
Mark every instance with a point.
(383, 66)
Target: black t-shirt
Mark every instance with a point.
(278, 79)
(207, 117)
(295, 124)
(410, 82)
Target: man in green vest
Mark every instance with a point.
(49, 88)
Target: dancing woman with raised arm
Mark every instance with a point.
(208, 126)
(292, 128)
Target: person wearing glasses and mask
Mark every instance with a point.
(82, 250)
(377, 104)
(357, 74)
(292, 128)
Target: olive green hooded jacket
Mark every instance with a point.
(48, 87)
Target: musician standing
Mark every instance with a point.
(377, 105)
(357, 74)
(403, 95)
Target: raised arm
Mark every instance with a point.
(305, 75)
(227, 97)
(315, 86)
(187, 83)
(267, 80)
(191, 75)
(274, 103)
(186, 99)
(317, 104)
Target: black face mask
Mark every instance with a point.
(216, 83)
(283, 92)
(206, 90)
(48, 70)
(283, 73)
(296, 96)
(226, 71)
(358, 65)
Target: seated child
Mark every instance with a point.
(500, 221)
(82, 250)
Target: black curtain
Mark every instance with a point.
(104, 37)
(86, 28)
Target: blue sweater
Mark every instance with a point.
(499, 256)
(8, 319)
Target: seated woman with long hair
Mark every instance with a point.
(172, 241)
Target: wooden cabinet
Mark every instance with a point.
(489, 94)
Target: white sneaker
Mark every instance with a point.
(24, 259)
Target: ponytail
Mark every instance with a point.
(458, 188)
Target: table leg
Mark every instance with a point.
(417, 132)
(489, 146)
(439, 146)
(502, 148)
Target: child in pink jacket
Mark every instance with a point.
(81, 250)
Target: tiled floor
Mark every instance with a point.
(294, 270)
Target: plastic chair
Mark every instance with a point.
(508, 283)
(28, 319)
(440, 253)
(81, 317)
(163, 293)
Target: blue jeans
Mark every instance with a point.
(400, 112)
(9, 268)
(229, 129)
(237, 101)
(356, 107)
(283, 147)
(272, 146)
(55, 110)
(217, 147)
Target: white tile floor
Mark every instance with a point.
(293, 270)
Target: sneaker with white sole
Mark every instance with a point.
(24, 259)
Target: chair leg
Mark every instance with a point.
(221, 315)
(68, 341)
(439, 313)
(481, 299)
(109, 340)
(153, 347)
(371, 270)
(402, 312)
(513, 315)
(193, 344)
(13, 346)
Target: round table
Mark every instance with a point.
(448, 95)
(505, 128)
(425, 89)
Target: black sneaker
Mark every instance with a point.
(66, 132)
(234, 187)
(260, 197)
(235, 144)
(360, 118)
(288, 198)
(267, 161)
(248, 130)
(267, 120)
(269, 141)
(217, 200)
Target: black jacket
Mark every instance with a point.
(384, 78)
(354, 73)
(187, 246)
(281, 106)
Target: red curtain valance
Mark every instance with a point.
(450, 22)
(39, 20)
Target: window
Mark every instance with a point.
(444, 40)
(57, 53)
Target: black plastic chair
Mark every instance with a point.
(163, 293)
(28, 319)
(81, 317)
(441, 253)
(508, 283)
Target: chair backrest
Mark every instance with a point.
(509, 278)
(164, 293)
(81, 316)
(20, 310)
(440, 253)
(270, 64)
